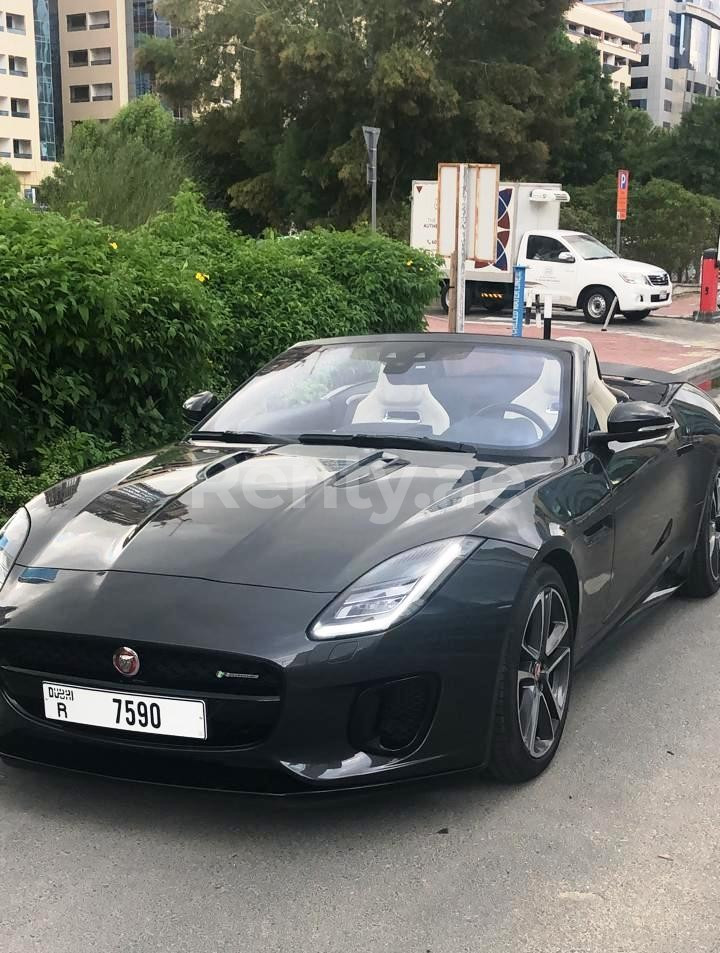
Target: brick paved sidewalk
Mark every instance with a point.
(697, 362)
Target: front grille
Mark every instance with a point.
(660, 280)
(240, 710)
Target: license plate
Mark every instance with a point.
(149, 714)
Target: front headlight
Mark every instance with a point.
(635, 278)
(392, 591)
(12, 539)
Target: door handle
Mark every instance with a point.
(686, 448)
(593, 531)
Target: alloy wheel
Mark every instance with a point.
(543, 677)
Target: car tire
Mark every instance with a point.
(596, 304)
(535, 680)
(704, 577)
(634, 316)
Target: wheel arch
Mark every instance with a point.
(588, 290)
(563, 563)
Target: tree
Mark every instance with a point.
(690, 153)
(598, 114)
(122, 172)
(444, 79)
(9, 184)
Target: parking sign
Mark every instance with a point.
(622, 194)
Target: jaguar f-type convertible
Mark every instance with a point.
(379, 559)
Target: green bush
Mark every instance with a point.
(391, 283)
(93, 335)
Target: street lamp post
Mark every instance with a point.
(372, 135)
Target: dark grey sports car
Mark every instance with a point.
(379, 559)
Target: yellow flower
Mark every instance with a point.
(113, 245)
(409, 263)
(199, 276)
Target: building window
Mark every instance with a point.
(22, 149)
(646, 38)
(20, 108)
(638, 103)
(79, 94)
(100, 56)
(668, 83)
(15, 23)
(674, 40)
(76, 22)
(17, 65)
(700, 88)
(637, 16)
(102, 92)
(673, 62)
(639, 82)
(4, 106)
(645, 59)
(5, 149)
(667, 106)
(78, 57)
(667, 125)
(99, 20)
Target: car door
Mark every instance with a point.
(650, 496)
(699, 435)
(552, 266)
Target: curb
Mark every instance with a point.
(705, 374)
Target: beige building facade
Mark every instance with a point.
(617, 43)
(94, 59)
(19, 119)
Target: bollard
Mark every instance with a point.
(519, 301)
(708, 287)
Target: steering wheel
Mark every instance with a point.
(530, 415)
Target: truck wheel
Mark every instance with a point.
(445, 297)
(634, 316)
(596, 304)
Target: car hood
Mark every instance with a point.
(291, 517)
(640, 267)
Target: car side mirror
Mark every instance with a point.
(635, 420)
(197, 407)
(566, 258)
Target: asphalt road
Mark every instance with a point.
(614, 850)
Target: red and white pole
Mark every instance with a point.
(708, 286)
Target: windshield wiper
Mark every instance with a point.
(396, 441)
(237, 436)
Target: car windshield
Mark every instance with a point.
(590, 248)
(503, 397)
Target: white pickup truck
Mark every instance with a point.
(575, 268)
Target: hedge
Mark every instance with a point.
(103, 333)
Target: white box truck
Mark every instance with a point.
(576, 269)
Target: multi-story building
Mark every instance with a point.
(680, 53)
(29, 112)
(93, 59)
(617, 43)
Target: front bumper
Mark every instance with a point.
(644, 297)
(454, 644)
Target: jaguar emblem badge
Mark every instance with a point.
(126, 661)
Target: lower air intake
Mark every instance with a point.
(393, 718)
